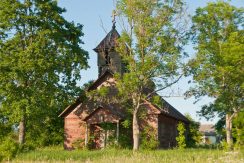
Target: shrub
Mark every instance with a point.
(79, 144)
(29, 146)
(193, 134)
(181, 140)
(8, 148)
(224, 145)
(148, 139)
(238, 131)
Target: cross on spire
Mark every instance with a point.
(114, 14)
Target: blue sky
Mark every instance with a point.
(95, 15)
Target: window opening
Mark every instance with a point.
(107, 58)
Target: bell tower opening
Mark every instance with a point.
(107, 58)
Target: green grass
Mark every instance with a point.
(57, 154)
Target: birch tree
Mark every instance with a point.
(217, 68)
(150, 45)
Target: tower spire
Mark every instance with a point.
(114, 14)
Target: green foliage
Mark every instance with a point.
(151, 47)
(157, 100)
(40, 63)
(125, 134)
(238, 130)
(154, 51)
(125, 141)
(104, 94)
(8, 148)
(193, 135)
(224, 145)
(181, 138)
(149, 139)
(79, 144)
(29, 146)
(5, 127)
(108, 126)
(217, 68)
(110, 130)
(126, 123)
(103, 91)
(57, 154)
(49, 131)
(90, 143)
(219, 126)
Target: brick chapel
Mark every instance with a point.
(84, 119)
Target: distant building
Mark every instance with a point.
(209, 134)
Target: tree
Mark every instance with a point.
(193, 134)
(40, 63)
(217, 68)
(150, 46)
(237, 131)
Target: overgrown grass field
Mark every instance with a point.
(57, 154)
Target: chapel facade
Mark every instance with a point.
(97, 123)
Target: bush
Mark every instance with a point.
(79, 144)
(8, 148)
(238, 131)
(148, 139)
(224, 145)
(193, 135)
(29, 146)
(181, 140)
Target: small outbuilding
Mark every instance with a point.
(209, 135)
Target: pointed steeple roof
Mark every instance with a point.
(109, 42)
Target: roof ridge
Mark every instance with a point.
(178, 114)
(108, 41)
(108, 71)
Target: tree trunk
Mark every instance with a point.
(228, 127)
(136, 131)
(22, 129)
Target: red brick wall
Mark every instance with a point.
(74, 129)
(152, 120)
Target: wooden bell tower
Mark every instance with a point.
(107, 57)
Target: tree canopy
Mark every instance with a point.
(40, 63)
(217, 68)
(150, 45)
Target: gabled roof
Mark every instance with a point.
(70, 108)
(94, 85)
(101, 79)
(109, 42)
(169, 110)
(173, 112)
(207, 129)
